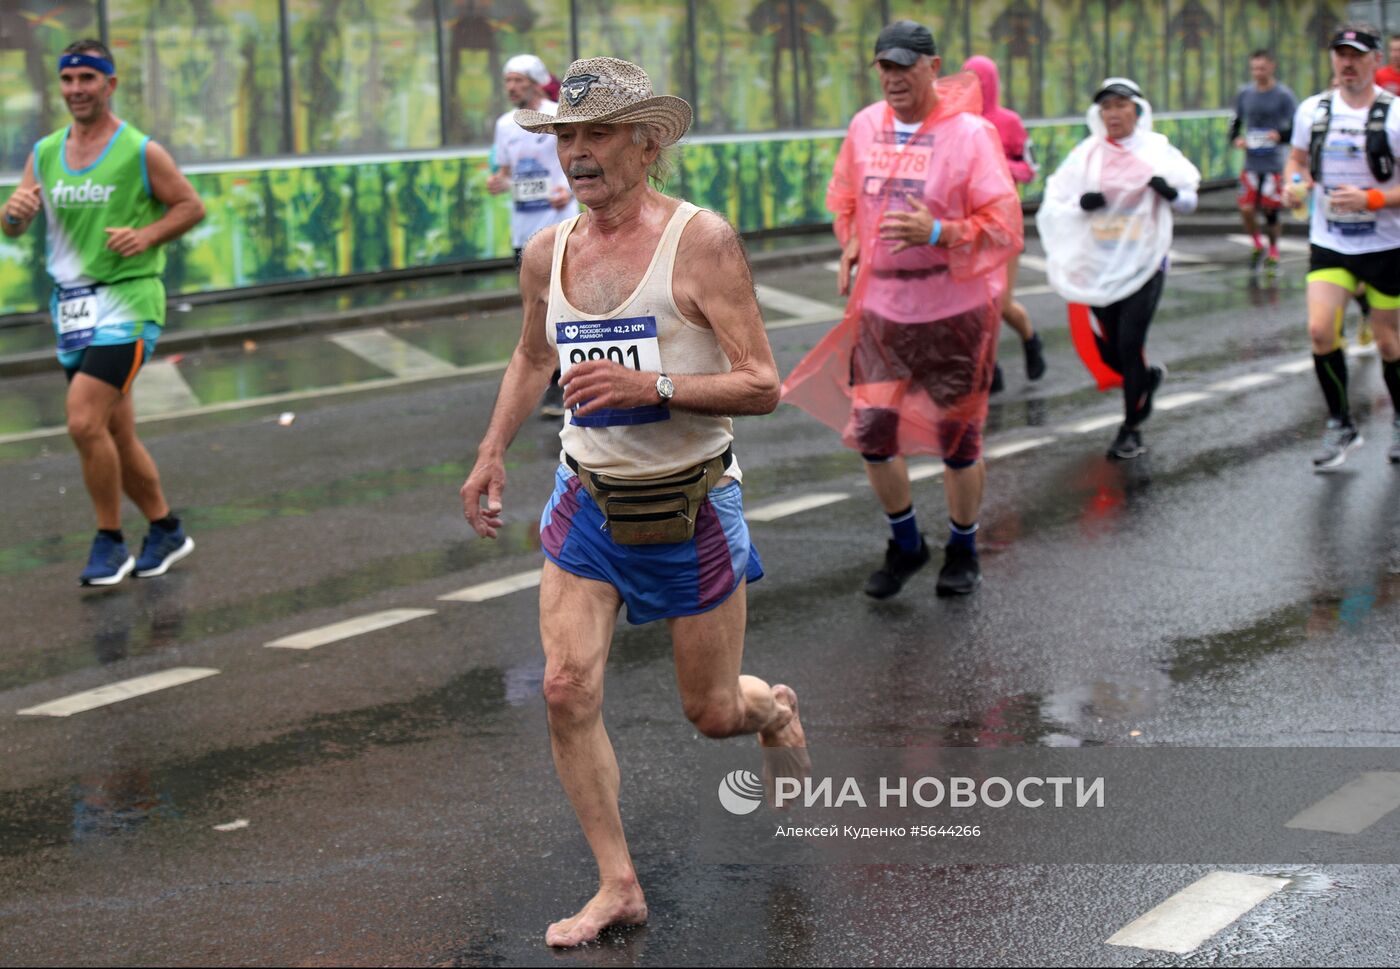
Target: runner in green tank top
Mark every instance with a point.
(111, 198)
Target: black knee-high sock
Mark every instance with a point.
(1332, 375)
(1391, 369)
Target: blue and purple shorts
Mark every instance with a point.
(655, 581)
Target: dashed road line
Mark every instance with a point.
(1245, 382)
(337, 631)
(791, 506)
(1284, 245)
(1197, 912)
(161, 389)
(1092, 424)
(1295, 366)
(386, 351)
(119, 691)
(1184, 399)
(1016, 447)
(1354, 807)
(922, 472)
(793, 304)
(495, 588)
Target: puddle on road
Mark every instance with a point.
(137, 792)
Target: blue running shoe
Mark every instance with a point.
(162, 549)
(108, 564)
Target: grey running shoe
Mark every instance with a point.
(1394, 453)
(1338, 441)
(1126, 445)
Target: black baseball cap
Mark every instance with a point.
(1117, 87)
(1359, 39)
(904, 42)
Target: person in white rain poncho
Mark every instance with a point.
(1106, 225)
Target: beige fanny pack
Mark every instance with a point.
(653, 511)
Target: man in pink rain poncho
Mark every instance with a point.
(927, 214)
(1106, 224)
(1018, 159)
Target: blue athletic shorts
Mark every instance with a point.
(655, 581)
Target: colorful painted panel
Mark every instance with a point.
(32, 34)
(746, 80)
(204, 79)
(364, 75)
(478, 37)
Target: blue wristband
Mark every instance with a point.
(937, 231)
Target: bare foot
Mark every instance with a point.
(785, 746)
(611, 906)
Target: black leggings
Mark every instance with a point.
(1124, 326)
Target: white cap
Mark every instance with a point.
(529, 65)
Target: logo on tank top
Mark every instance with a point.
(68, 195)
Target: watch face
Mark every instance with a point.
(665, 388)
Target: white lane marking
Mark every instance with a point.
(1295, 366)
(1034, 262)
(1197, 912)
(388, 352)
(827, 318)
(792, 304)
(1284, 245)
(1354, 807)
(349, 627)
(116, 692)
(159, 388)
(781, 509)
(1184, 399)
(283, 398)
(920, 472)
(233, 825)
(496, 587)
(1016, 447)
(1360, 351)
(1244, 382)
(1188, 257)
(1092, 424)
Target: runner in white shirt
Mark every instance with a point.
(527, 166)
(1355, 229)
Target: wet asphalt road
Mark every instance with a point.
(401, 803)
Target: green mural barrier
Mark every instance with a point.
(289, 222)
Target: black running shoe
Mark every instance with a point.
(998, 383)
(1155, 376)
(1035, 357)
(1394, 453)
(960, 573)
(1127, 444)
(1339, 440)
(553, 403)
(899, 566)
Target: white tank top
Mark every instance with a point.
(647, 332)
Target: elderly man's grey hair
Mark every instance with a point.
(664, 166)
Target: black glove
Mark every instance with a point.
(1160, 186)
(1090, 201)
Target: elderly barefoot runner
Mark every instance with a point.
(928, 214)
(647, 305)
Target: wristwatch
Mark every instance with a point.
(11, 220)
(665, 389)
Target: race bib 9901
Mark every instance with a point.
(630, 342)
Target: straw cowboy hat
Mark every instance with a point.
(611, 91)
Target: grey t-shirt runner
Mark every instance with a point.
(1257, 113)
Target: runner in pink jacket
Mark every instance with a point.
(1015, 143)
(927, 213)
